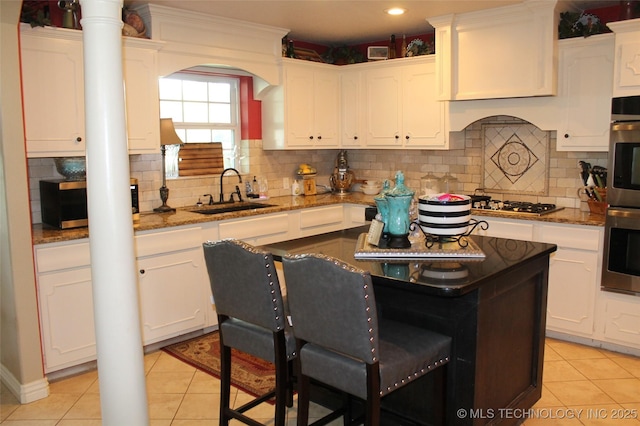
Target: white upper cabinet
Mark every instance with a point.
(502, 52)
(303, 112)
(52, 81)
(584, 93)
(53, 90)
(626, 81)
(401, 110)
(351, 107)
(141, 95)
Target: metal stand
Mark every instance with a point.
(164, 191)
(430, 239)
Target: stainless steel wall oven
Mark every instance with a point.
(621, 265)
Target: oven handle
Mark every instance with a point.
(623, 212)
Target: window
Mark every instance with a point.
(204, 108)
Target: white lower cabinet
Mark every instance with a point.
(173, 293)
(574, 276)
(171, 282)
(619, 319)
(66, 314)
(66, 304)
(262, 229)
(574, 269)
(572, 291)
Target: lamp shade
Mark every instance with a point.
(168, 134)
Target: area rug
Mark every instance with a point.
(248, 373)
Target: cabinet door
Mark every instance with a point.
(423, 117)
(299, 106)
(383, 121)
(572, 284)
(173, 297)
(502, 228)
(626, 80)
(326, 108)
(351, 109)
(621, 319)
(584, 93)
(142, 102)
(52, 76)
(66, 318)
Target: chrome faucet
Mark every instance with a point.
(221, 187)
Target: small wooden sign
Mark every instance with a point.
(309, 186)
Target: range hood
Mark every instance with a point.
(504, 52)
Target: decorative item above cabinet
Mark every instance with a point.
(503, 52)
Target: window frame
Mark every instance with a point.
(205, 74)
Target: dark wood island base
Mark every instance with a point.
(495, 312)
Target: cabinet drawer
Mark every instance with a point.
(506, 229)
(256, 227)
(62, 257)
(167, 242)
(579, 237)
(312, 218)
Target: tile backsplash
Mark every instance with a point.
(466, 164)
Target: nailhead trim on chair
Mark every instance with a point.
(273, 300)
(350, 268)
(417, 374)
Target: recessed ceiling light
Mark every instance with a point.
(395, 11)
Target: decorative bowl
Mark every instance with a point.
(72, 168)
(370, 190)
(444, 214)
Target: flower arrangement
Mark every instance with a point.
(418, 47)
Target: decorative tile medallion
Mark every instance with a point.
(515, 159)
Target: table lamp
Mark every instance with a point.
(168, 136)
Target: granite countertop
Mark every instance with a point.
(42, 234)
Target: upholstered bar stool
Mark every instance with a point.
(252, 319)
(342, 342)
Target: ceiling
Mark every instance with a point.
(338, 22)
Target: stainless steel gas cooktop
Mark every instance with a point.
(518, 207)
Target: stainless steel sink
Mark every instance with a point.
(230, 207)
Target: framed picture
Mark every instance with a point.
(376, 53)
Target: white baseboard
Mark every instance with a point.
(593, 342)
(24, 393)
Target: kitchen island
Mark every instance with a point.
(493, 308)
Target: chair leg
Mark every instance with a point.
(373, 395)
(290, 383)
(303, 400)
(225, 383)
(282, 379)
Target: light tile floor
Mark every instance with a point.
(582, 386)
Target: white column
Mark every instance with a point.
(115, 294)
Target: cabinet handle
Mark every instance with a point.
(355, 138)
(319, 137)
(397, 137)
(142, 271)
(407, 137)
(310, 137)
(566, 135)
(78, 139)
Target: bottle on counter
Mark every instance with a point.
(248, 189)
(392, 47)
(295, 188)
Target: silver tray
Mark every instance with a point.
(418, 250)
